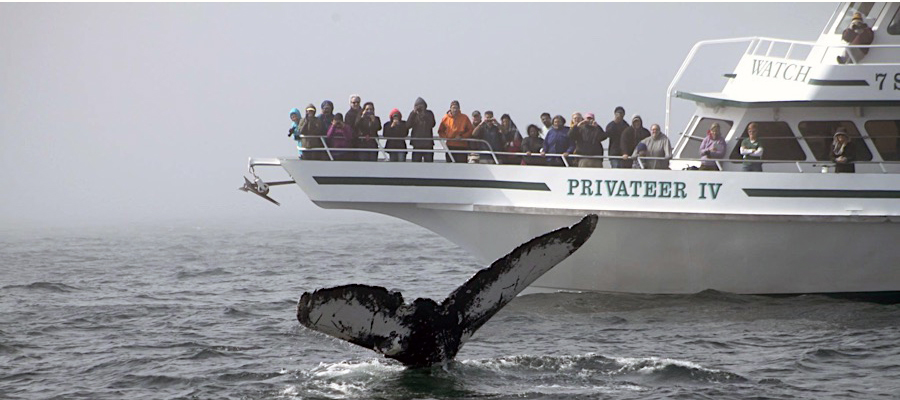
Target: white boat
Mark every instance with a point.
(796, 228)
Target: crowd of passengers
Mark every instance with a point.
(353, 136)
(580, 140)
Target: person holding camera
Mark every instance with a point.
(489, 131)
(712, 148)
(421, 124)
(367, 127)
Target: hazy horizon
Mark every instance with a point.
(146, 113)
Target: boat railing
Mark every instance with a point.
(796, 50)
(566, 158)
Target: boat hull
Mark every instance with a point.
(738, 243)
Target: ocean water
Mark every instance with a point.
(209, 312)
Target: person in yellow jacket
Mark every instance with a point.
(456, 125)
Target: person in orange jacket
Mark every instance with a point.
(456, 125)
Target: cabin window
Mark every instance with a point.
(894, 27)
(886, 136)
(777, 139)
(692, 147)
(863, 8)
(819, 135)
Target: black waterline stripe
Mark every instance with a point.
(820, 193)
(836, 82)
(460, 183)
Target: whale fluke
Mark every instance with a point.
(425, 333)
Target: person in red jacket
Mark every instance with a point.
(456, 125)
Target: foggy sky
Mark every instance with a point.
(136, 113)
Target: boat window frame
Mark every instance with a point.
(819, 143)
(868, 15)
(893, 26)
(878, 138)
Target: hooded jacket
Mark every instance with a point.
(631, 137)
(422, 126)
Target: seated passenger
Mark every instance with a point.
(489, 131)
(367, 127)
(587, 137)
(421, 123)
(512, 139)
(313, 133)
(631, 136)
(752, 150)
(858, 33)
(843, 153)
(397, 131)
(658, 146)
(294, 130)
(340, 136)
(712, 148)
(533, 144)
(557, 142)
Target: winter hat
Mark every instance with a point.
(395, 111)
(857, 16)
(620, 108)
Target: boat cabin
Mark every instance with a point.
(799, 93)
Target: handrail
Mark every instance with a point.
(566, 156)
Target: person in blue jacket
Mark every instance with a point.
(557, 142)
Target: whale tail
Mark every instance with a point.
(425, 333)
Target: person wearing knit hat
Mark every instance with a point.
(614, 131)
(421, 124)
(312, 132)
(396, 132)
(631, 136)
(843, 152)
(355, 110)
(857, 34)
(327, 114)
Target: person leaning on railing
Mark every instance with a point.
(421, 123)
(557, 142)
(631, 136)
(712, 148)
(340, 136)
(489, 131)
(658, 146)
(533, 144)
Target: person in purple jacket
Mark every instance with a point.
(712, 148)
(340, 135)
(557, 142)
